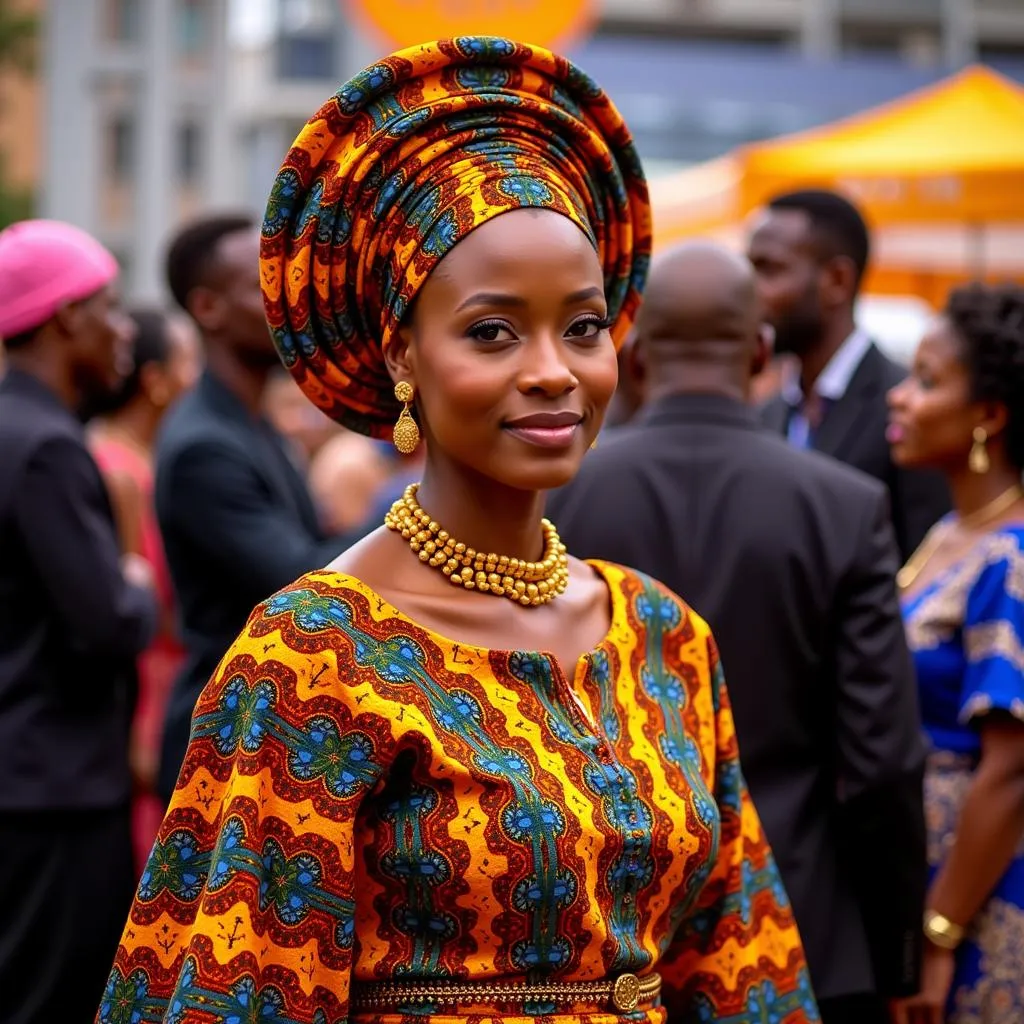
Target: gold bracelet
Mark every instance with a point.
(942, 932)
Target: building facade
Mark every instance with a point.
(153, 111)
(952, 32)
(137, 123)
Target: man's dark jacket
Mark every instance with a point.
(790, 558)
(238, 524)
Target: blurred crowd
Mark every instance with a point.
(761, 457)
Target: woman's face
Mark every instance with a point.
(184, 356)
(931, 414)
(165, 382)
(509, 351)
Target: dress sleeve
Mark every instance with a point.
(246, 907)
(993, 641)
(737, 955)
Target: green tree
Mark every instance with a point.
(19, 37)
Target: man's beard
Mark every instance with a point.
(99, 397)
(798, 332)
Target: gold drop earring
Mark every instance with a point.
(978, 461)
(406, 435)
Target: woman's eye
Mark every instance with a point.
(491, 330)
(589, 328)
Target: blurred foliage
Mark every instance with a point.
(15, 203)
(19, 38)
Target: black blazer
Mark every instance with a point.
(238, 524)
(70, 626)
(853, 431)
(790, 558)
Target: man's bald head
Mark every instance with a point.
(700, 293)
(700, 326)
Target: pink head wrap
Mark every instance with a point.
(45, 264)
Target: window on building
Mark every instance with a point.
(306, 42)
(121, 148)
(192, 26)
(305, 15)
(122, 20)
(305, 57)
(1006, 50)
(190, 153)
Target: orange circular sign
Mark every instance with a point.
(408, 22)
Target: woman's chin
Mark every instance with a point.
(905, 457)
(551, 475)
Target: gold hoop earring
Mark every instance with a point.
(406, 435)
(978, 461)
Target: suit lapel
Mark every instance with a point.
(840, 422)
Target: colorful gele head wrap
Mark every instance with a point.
(400, 165)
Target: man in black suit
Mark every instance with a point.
(235, 513)
(74, 615)
(791, 559)
(810, 251)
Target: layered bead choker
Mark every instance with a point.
(528, 583)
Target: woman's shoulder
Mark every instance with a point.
(997, 560)
(322, 600)
(647, 601)
(1000, 548)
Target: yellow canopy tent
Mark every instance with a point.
(939, 175)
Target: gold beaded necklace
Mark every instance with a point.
(528, 583)
(933, 541)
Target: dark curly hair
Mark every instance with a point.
(989, 320)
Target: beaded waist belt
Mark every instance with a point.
(624, 994)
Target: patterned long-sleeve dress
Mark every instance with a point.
(364, 800)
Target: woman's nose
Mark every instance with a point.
(545, 367)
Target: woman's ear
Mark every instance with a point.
(399, 356)
(996, 416)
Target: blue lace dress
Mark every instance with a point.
(966, 631)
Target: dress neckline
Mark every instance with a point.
(912, 600)
(579, 670)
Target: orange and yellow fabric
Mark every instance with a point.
(364, 800)
(403, 162)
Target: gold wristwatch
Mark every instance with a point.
(942, 932)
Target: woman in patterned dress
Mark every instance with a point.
(410, 800)
(962, 411)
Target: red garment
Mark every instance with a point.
(159, 663)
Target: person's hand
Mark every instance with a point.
(137, 571)
(929, 1005)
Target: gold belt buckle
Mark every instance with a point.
(626, 993)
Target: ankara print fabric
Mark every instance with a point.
(363, 800)
(966, 632)
(401, 164)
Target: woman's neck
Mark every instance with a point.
(482, 514)
(135, 424)
(972, 492)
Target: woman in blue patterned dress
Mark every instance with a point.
(962, 411)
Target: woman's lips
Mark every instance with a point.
(895, 432)
(546, 437)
